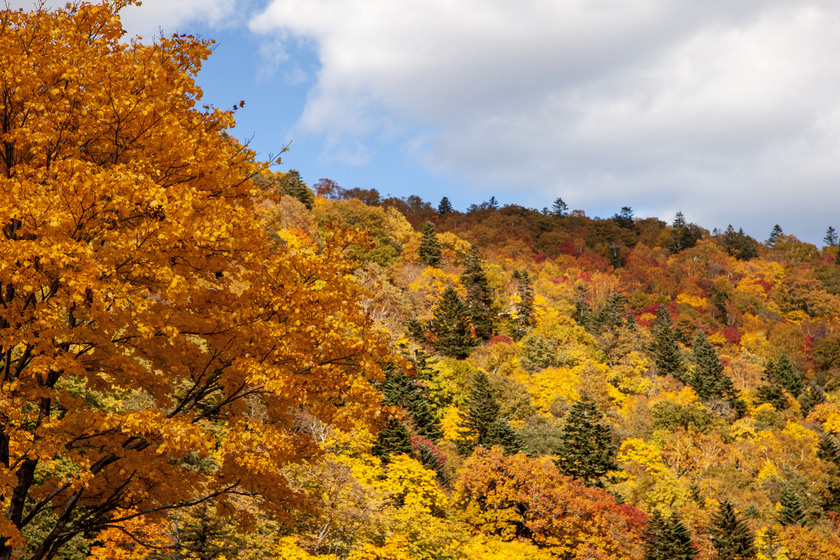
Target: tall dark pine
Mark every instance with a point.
(403, 391)
(666, 351)
(831, 237)
(586, 450)
(445, 207)
(481, 424)
(787, 377)
(525, 306)
(393, 439)
(559, 208)
(683, 235)
(429, 251)
(291, 184)
(451, 327)
(792, 512)
(731, 537)
(774, 235)
(709, 379)
(479, 296)
(668, 539)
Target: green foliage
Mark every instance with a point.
(738, 244)
(668, 539)
(683, 235)
(665, 350)
(451, 327)
(393, 439)
(481, 424)
(668, 415)
(708, 378)
(831, 237)
(791, 512)
(429, 251)
(811, 397)
(559, 208)
(731, 537)
(479, 296)
(445, 207)
(524, 318)
(586, 450)
(291, 184)
(774, 235)
(405, 392)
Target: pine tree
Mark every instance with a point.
(451, 326)
(559, 208)
(831, 237)
(666, 352)
(525, 306)
(668, 539)
(445, 207)
(292, 185)
(393, 439)
(683, 234)
(786, 376)
(709, 379)
(481, 424)
(429, 251)
(774, 235)
(731, 537)
(811, 397)
(585, 450)
(791, 511)
(479, 296)
(405, 392)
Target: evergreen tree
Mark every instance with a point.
(791, 512)
(786, 376)
(624, 218)
(481, 424)
(445, 207)
(559, 208)
(683, 234)
(665, 350)
(393, 439)
(583, 309)
(668, 539)
(429, 251)
(731, 537)
(479, 296)
(451, 326)
(525, 305)
(811, 397)
(405, 392)
(774, 235)
(831, 237)
(709, 379)
(292, 185)
(585, 450)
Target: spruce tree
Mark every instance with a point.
(665, 350)
(405, 392)
(774, 235)
(393, 439)
(559, 208)
(479, 295)
(481, 424)
(731, 537)
(292, 185)
(709, 379)
(429, 251)
(451, 326)
(668, 539)
(791, 511)
(445, 207)
(831, 237)
(525, 305)
(811, 397)
(585, 450)
(787, 377)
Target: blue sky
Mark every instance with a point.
(728, 110)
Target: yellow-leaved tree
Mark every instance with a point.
(156, 346)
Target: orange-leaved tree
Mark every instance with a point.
(156, 346)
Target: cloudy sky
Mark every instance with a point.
(728, 110)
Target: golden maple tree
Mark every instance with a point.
(156, 346)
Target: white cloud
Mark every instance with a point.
(723, 108)
(155, 15)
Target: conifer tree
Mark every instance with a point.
(774, 235)
(791, 512)
(481, 424)
(479, 296)
(451, 326)
(292, 184)
(586, 450)
(811, 397)
(665, 350)
(525, 305)
(831, 237)
(403, 391)
(668, 539)
(731, 537)
(559, 208)
(786, 376)
(429, 251)
(393, 439)
(709, 379)
(445, 207)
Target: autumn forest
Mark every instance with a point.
(203, 357)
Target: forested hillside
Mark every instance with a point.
(202, 358)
